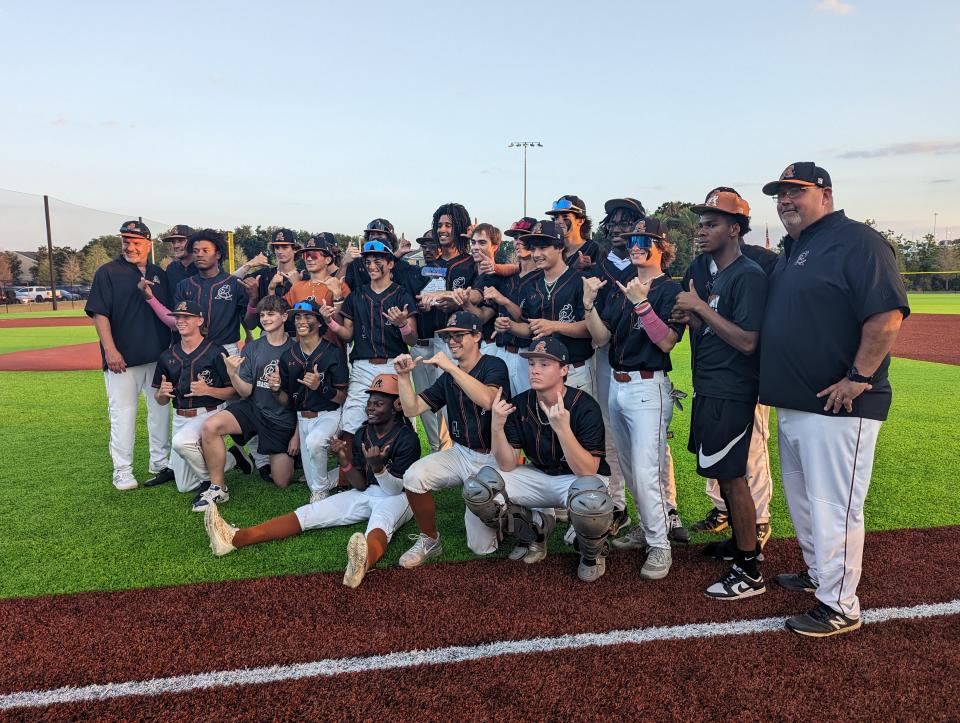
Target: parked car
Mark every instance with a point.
(67, 295)
(37, 293)
(81, 291)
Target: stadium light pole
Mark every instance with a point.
(524, 145)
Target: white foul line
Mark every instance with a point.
(452, 654)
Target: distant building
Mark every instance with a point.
(28, 262)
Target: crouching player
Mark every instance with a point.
(193, 376)
(383, 448)
(560, 430)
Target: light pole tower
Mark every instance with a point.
(524, 145)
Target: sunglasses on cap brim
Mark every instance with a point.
(566, 205)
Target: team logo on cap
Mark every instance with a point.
(787, 172)
(452, 320)
(714, 200)
(279, 236)
(182, 306)
(377, 383)
(537, 228)
(641, 226)
(132, 225)
(540, 348)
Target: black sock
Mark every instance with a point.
(747, 561)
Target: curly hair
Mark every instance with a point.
(461, 223)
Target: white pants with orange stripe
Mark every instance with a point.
(826, 463)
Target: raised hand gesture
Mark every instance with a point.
(404, 363)
(232, 363)
(199, 388)
(166, 386)
(542, 327)
(252, 286)
(500, 410)
(689, 300)
(376, 456)
(311, 380)
(591, 287)
(502, 324)
(257, 261)
(146, 287)
(397, 316)
(557, 414)
(636, 290)
(273, 380)
(439, 360)
(340, 448)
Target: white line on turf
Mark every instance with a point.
(453, 654)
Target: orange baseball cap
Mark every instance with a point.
(724, 202)
(385, 384)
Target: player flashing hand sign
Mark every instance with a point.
(500, 410)
(232, 363)
(557, 414)
(376, 457)
(311, 380)
(636, 290)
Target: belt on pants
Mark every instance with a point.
(378, 360)
(626, 376)
(423, 342)
(194, 412)
(309, 415)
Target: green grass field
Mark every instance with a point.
(934, 303)
(15, 311)
(44, 337)
(67, 530)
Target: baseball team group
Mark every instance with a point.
(542, 384)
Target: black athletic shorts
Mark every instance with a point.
(720, 432)
(271, 439)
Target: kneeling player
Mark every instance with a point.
(560, 430)
(383, 448)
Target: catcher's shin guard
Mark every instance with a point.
(591, 513)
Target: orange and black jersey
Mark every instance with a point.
(528, 429)
(607, 270)
(589, 249)
(503, 284)
(404, 449)
(560, 301)
(630, 348)
(180, 368)
(469, 424)
(461, 271)
(223, 299)
(374, 337)
(331, 362)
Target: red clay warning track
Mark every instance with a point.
(930, 337)
(73, 357)
(46, 321)
(140, 635)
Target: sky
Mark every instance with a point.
(322, 116)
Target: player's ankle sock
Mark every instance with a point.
(748, 562)
(376, 546)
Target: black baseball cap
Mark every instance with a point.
(187, 308)
(323, 241)
(384, 226)
(179, 231)
(631, 203)
(548, 347)
(521, 227)
(427, 238)
(134, 228)
(568, 204)
(284, 236)
(208, 234)
(543, 233)
(801, 173)
(462, 321)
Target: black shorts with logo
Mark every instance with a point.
(720, 432)
(271, 439)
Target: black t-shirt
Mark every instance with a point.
(764, 258)
(502, 284)
(264, 276)
(469, 424)
(331, 363)
(738, 293)
(528, 429)
(589, 248)
(177, 272)
(564, 303)
(404, 449)
(180, 368)
(373, 336)
(630, 348)
(223, 300)
(138, 334)
(825, 286)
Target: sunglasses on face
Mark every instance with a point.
(639, 242)
(457, 336)
(565, 204)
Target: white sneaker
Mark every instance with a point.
(423, 549)
(124, 481)
(633, 540)
(657, 565)
(356, 560)
(536, 552)
(220, 533)
(589, 573)
(570, 535)
(214, 495)
(518, 553)
(318, 496)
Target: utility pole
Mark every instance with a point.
(524, 145)
(53, 279)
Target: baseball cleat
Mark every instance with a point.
(213, 496)
(518, 553)
(423, 549)
(822, 622)
(796, 582)
(124, 481)
(536, 552)
(356, 560)
(736, 584)
(243, 459)
(675, 529)
(589, 573)
(633, 540)
(715, 521)
(318, 496)
(657, 564)
(763, 534)
(220, 533)
(161, 477)
(621, 520)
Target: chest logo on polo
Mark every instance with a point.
(205, 376)
(566, 314)
(801, 259)
(224, 293)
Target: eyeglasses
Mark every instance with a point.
(790, 192)
(565, 204)
(378, 225)
(640, 242)
(457, 336)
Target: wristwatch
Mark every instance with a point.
(855, 376)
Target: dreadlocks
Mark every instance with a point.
(461, 224)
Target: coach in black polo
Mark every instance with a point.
(835, 307)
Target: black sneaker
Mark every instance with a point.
(676, 532)
(715, 521)
(243, 461)
(163, 476)
(822, 622)
(204, 486)
(796, 582)
(621, 521)
(265, 473)
(735, 585)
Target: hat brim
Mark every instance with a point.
(578, 214)
(770, 189)
(542, 355)
(186, 313)
(704, 208)
(134, 234)
(284, 243)
(317, 313)
(515, 233)
(384, 254)
(380, 391)
(539, 239)
(176, 237)
(304, 249)
(457, 328)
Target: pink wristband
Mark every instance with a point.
(653, 325)
(334, 325)
(406, 329)
(251, 309)
(347, 468)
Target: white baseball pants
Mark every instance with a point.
(385, 511)
(187, 462)
(602, 378)
(315, 434)
(123, 391)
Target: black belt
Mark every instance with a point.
(423, 342)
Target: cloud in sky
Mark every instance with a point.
(834, 6)
(905, 149)
(942, 180)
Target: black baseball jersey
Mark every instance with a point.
(404, 449)
(763, 257)
(223, 300)
(373, 336)
(404, 274)
(177, 272)
(588, 248)
(528, 429)
(826, 284)
(331, 362)
(502, 284)
(469, 424)
(461, 271)
(137, 332)
(610, 271)
(630, 348)
(562, 302)
(264, 276)
(180, 368)
(737, 293)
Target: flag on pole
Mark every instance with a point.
(767, 244)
